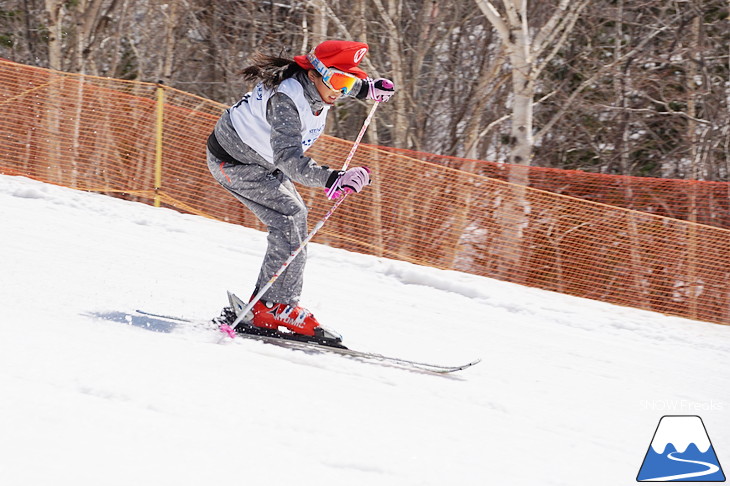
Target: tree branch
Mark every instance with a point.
(549, 30)
(565, 28)
(486, 130)
(495, 19)
(669, 111)
(589, 81)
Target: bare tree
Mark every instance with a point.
(528, 57)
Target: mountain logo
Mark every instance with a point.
(681, 451)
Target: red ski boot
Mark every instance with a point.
(271, 315)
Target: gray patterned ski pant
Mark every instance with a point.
(276, 202)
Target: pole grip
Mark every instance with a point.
(332, 190)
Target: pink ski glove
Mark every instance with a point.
(380, 89)
(352, 180)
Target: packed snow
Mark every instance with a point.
(569, 391)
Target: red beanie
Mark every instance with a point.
(339, 54)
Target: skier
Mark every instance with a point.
(258, 149)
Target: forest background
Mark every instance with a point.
(609, 86)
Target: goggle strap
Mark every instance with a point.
(323, 70)
(318, 65)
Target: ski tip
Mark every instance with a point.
(475, 362)
(451, 369)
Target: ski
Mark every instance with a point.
(300, 343)
(361, 355)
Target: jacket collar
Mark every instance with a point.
(310, 92)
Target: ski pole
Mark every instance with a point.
(332, 190)
(230, 329)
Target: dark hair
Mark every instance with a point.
(271, 70)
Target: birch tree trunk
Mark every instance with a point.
(51, 118)
(622, 86)
(395, 51)
(695, 161)
(319, 24)
(527, 57)
(87, 17)
(171, 13)
(54, 21)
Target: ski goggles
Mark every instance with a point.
(334, 79)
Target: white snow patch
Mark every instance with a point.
(569, 391)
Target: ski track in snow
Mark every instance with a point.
(568, 393)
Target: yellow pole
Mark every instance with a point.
(158, 142)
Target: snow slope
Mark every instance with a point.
(569, 391)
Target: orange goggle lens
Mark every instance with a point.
(333, 78)
(339, 81)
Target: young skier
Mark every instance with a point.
(258, 149)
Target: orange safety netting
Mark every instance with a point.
(690, 200)
(630, 241)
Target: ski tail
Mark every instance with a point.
(237, 304)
